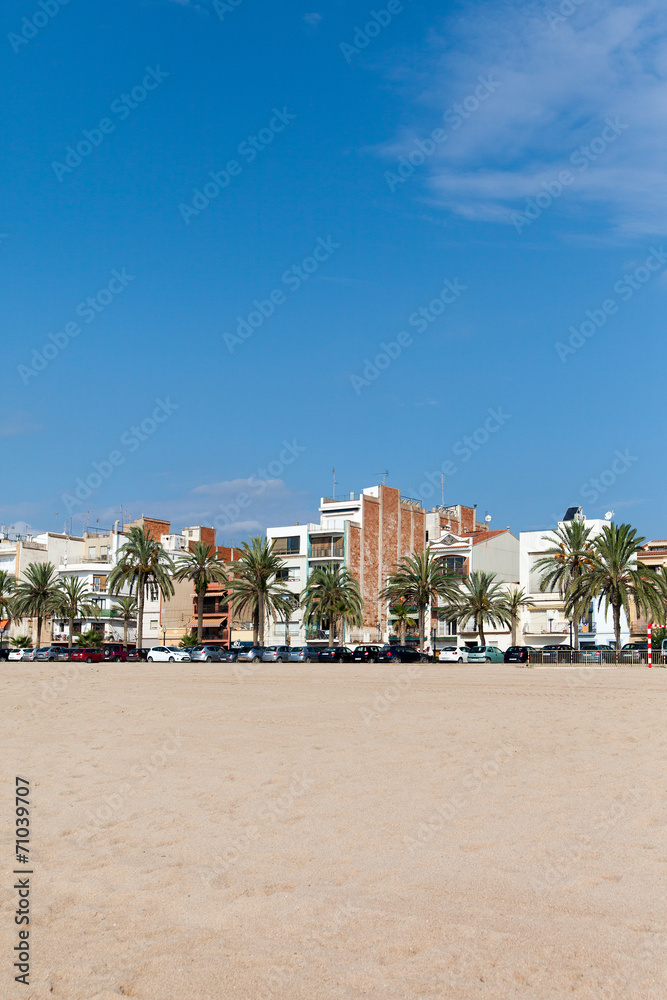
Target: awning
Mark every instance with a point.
(208, 622)
(4, 622)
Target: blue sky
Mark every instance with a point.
(471, 194)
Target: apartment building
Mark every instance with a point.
(368, 533)
(546, 622)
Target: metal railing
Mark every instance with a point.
(597, 657)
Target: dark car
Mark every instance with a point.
(401, 654)
(135, 655)
(519, 654)
(115, 651)
(336, 654)
(634, 652)
(89, 655)
(206, 654)
(304, 654)
(367, 654)
(556, 653)
(4, 653)
(65, 653)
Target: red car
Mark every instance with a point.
(89, 655)
(115, 651)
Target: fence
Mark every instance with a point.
(602, 657)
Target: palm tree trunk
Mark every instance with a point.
(480, 629)
(260, 619)
(255, 627)
(575, 631)
(70, 624)
(515, 623)
(617, 625)
(140, 615)
(125, 633)
(39, 631)
(200, 614)
(422, 614)
(402, 630)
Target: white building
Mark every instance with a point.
(546, 623)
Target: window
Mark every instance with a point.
(104, 550)
(289, 546)
(91, 551)
(326, 546)
(154, 623)
(99, 584)
(291, 574)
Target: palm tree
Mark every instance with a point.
(616, 578)
(482, 597)
(142, 563)
(203, 566)
(253, 587)
(75, 601)
(564, 564)
(37, 594)
(515, 599)
(91, 638)
(403, 620)
(7, 587)
(20, 642)
(332, 594)
(127, 612)
(419, 580)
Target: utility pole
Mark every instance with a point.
(335, 484)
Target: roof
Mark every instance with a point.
(483, 536)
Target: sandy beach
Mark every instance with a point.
(338, 832)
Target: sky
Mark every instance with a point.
(245, 244)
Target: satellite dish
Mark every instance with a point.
(608, 516)
(488, 518)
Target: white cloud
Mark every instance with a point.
(558, 85)
(20, 423)
(313, 19)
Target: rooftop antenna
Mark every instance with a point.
(442, 487)
(335, 484)
(384, 476)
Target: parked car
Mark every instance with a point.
(367, 654)
(168, 654)
(519, 654)
(115, 651)
(89, 655)
(17, 653)
(228, 655)
(250, 654)
(598, 654)
(65, 653)
(453, 654)
(47, 653)
(205, 654)
(336, 654)
(304, 654)
(276, 654)
(4, 652)
(135, 655)
(401, 654)
(29, 654)
(556, 653)
(485, 654)
(634, 652)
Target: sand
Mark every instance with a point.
(338, 831)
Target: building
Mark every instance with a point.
(653, 555)
(546, 622)
(368, 533)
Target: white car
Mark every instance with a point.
(170, 654)
(17, 654)
(453, 654)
